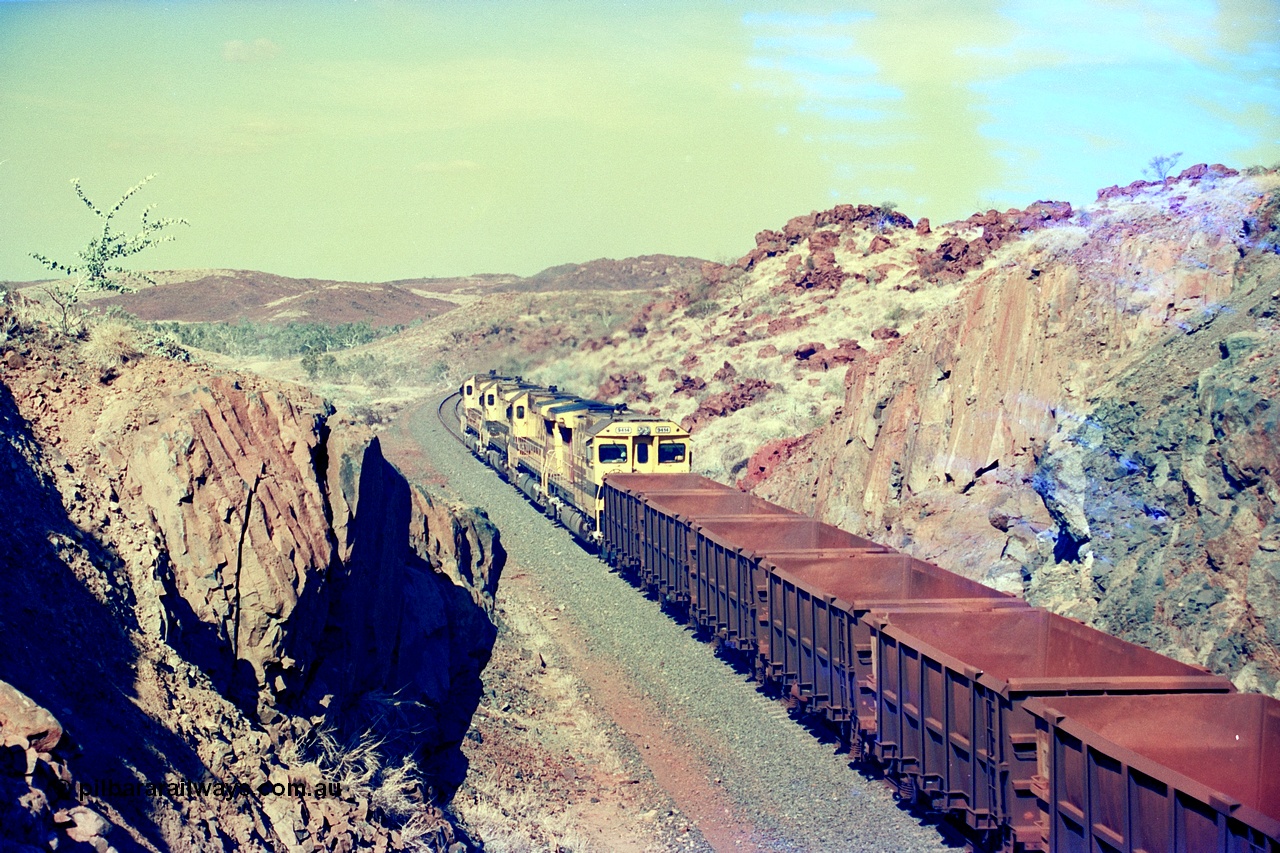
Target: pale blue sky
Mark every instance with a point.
(399, 139)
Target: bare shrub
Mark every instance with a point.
(703, 308)
(97, 266)
(398, 794)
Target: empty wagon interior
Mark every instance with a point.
(709, 504)
(776, 534)
(1228, 743)
(869, 577)
(1033, 644)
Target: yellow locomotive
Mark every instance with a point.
(558, 448)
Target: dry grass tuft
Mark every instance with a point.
(112, 344)
(369, 768)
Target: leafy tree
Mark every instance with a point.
(1159, 166)
(311, 365)
(884, 214)
(98, 266)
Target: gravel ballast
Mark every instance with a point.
(795, 789)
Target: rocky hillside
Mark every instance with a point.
(1165, 498)
(214, 581)
(1075, 404)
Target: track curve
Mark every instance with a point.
(450, 421)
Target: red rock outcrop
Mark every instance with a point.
(716, 273)
(766, 460)
(817, 356)
(1192, 175)
(955, 256)
(689, 385)
(818, 271)
(786, 323)
(823, 241)
(878, 244)
(771, 243)
(725, 373)
(629, 383)
(843, 353)
(806, 351)
(741, 395)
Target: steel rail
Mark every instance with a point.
(451, 426)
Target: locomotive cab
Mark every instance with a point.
(648, 446)
(558, 448)
(472, 411)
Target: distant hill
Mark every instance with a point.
(646, 272)
(230, 295)
(220, 295)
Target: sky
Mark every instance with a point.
(374, 141)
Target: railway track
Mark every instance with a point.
(450, 420)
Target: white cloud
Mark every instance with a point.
(257, 50)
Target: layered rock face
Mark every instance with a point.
(1166, 498)
(293, 560)
(210, 578)
(1091, 421)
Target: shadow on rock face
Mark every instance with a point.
(312, 589)
(68, 650)
(402, 646)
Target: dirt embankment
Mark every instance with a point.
(212, 580)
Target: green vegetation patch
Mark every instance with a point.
(272, 340)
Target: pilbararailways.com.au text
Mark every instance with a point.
(186, 789)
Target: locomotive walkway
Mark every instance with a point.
(730, 757)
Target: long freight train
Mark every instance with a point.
(1033, 731)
